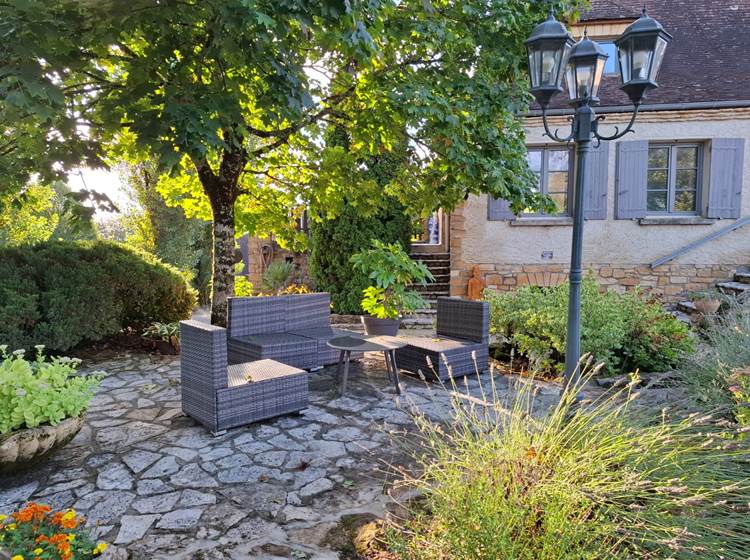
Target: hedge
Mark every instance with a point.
(63, 294)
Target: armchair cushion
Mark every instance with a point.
(322, 335)
(287, 348)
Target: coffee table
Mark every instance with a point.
(367, 343)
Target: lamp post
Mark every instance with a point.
(552, 53)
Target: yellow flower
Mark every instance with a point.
(38, 551)
(11, 527)
(17, 557)
(3, 517)
(71, 537)
(101, 547)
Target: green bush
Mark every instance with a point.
(62, 294)
(623, 331)
(608, 481)
(40, 392)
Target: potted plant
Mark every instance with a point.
(42, 406)
(164, 337)
(707, 302)
(391, 271)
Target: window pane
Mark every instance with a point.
(657, 201)
(686, 179)
(558, 160)
(658, 157)
(684, 201)
(557, 181)
(561, 202)
(534, 157)
(610, 67)
(657, 179)
(687, 158)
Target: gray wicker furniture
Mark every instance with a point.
(462, 344)
(292, 329)
(367, 343)
(222, 396)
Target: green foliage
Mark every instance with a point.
(391, 271)
(623, 331)
(168, 332)
(243, 287)
(277, 276)
(40, 391)
(607, 481)
(61, 294)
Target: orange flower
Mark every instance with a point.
(32, 511)
(68, 520)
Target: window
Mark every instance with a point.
(610, 66)
(551, 166)
(673, 181)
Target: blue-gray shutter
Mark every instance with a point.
(630, 179)
(595, 197)
(498, 209)
(725, 179)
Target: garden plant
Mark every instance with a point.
(625, 332)
(606, 480)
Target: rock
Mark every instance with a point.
(180, 519)
(261, 498)
(236, 460)
(315, 487)
(214, 454)
(163, 467)
(192, 476)
(181, 452)
(120, 437)
(114, 476)
(328, 449)
(104, 506)
(161, 503)
(291, 513)
(133, 527)
(344, 434)
(139, 459)
(17, 495)
(271, 458)
(305, 433)
(61, 487)
(152, 486)
(247, 474)
(254, 447)
(192, 498)
(285, 442)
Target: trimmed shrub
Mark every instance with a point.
(62, 294)
(333, 242)
(625, 332)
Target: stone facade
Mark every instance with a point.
(618, 251)
(256, 263)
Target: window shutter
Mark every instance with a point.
(630, 180)
(498, 209)
(595, 197)
(725, 180)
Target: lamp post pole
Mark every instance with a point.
(552, 54)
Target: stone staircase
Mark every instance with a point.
(739, 286)
(440, 266)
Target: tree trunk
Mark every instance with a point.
(223, 261)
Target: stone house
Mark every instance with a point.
(665, 205)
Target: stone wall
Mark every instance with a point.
(511, 254)
(255, 265)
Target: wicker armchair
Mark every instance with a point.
(220, 396)
(461, 346)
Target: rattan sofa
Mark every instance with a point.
(461, 346)
(222, 396)
(292, 329)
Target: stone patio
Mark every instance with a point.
(157, 485)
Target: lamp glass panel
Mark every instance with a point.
(661, 47)
(549, 66)
(598, 73)
(534, 64)
(584, 80)
(641, 58)
(623, 53)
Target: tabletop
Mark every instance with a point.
(366, 343)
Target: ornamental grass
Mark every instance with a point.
(604, 480)
(35, 532)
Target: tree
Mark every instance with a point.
(233, 97)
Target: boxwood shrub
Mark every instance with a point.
(62, 294)
(623, 331)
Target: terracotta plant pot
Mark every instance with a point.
(707, 306)
(23, 448)
(380, 327)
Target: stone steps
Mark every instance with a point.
(739, 286)
(743, 277)
(734, 288)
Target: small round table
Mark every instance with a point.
(367, 343)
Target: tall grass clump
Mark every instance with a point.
(603, 481)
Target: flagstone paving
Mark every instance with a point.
(157, 485)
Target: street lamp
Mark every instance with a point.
(552, 53)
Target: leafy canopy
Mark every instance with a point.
(214, 87)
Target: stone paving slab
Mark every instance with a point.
(158, 485)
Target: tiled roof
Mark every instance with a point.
(707, 61)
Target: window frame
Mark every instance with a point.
(672, 177)
(610, 40)
(544, 179)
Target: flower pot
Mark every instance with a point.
(387, 327)
(707, 306)
(23, 448)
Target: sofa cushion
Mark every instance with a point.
(259, 370)
(286, 348)
(308, 311)
(326, 354)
